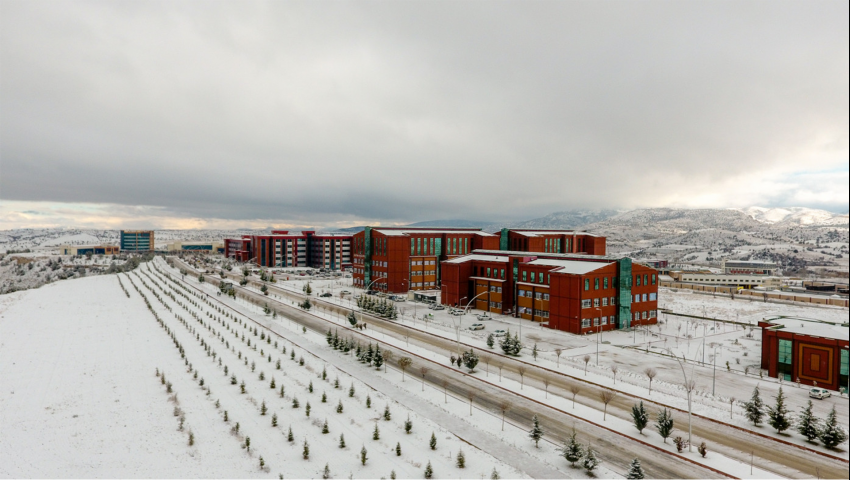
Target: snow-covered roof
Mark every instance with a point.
(404, 232)
(536, 233)
(483, 258)
(574, 267)
(802, 326)
(566, 256)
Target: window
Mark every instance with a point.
(637, 298)
(531, 275)
(596, 284)
(488, 271)
(653, 297)
(785, 351)
(643, 315)
(586, 284)
(652, 314)
(605, 302)
(546, 296)
(523, 276)
(613, 301)
(596, 322)
(604, 320)
(605, 283)
(548, 279)
(643, 298)
(585, 322)
(653, 279)
(585, 303)
(644, 280)
(595, 302)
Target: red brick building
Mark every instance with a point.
(816, 353)
(577, 293)
(284, 249)
(401, 259)
(554, 241)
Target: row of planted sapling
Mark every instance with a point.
(239, 326)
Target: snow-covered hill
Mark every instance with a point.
(796, 215)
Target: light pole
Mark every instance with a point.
(364, 292)
(689, 387)
(714, 372)
(598, 333)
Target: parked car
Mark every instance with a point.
(370, 292)
(326, 295)
(345, 292)
(439, 307)
(482, 316)
(819, 393)
(476, 326)
(499, 333)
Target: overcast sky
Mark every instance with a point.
(227, 114)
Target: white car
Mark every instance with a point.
(819, 393)
(476, 326)
(499, 333)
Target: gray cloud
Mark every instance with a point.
(403, 111)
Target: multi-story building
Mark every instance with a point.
(202, 247)
(806, 351)
(739, 280)
(284, 249)
(577, 293)
(136, 240)
(749, 267)
(401, 259)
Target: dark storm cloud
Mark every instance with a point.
(321, 112)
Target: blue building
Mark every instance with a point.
(137, 240)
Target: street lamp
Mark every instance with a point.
(598, 333)
(689, 387)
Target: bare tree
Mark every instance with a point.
(606, 396)
(445, 385)
(615, 369)
(403, 363)
(499, 366)
(650, 373)
(423, 371)
(546, 384)
(504, 406)
(558, 352)
(521, 370)
(487, 359)
(388, 356)
(731, 402)
(574, 389)
(586, 359)
(471, 396)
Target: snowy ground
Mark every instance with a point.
(120, 419)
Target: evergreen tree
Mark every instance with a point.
(326, 474)
(535, 351)
(376, 434)
(398, 449)
(807, 424)
(408, 425)
(429, 472)
(310, 387)
(339, 407)
(289, 436)
(329, 337)
(572, 450)
(378, 359)
(491, 340)
(306, 452)
(325, 427)
(494, 475)
(387, 415)
(367, 357)
(363, 457)
(460, 462)
(324, 397)
(590, 460)
(307, 409)
(536, 433)
(433, 442)
(351, 318)
(664, 423)
(639, 417)
(341, 441)
(351, 390)
(635, 470)
(263, 408)
(778, 414)
(754, 409)
(470, 360)
(295, 402)
(274, 420)
(368, 401)
(832, 434)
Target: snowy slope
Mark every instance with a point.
(795, 215)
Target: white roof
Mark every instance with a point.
(485, 258)
(401, 233)
(571, 266)
(815, 329)
(552, 232)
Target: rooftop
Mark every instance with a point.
(575, 267)
(536, 233)
(428, 231)
(814, 328)
(483, 258)
(565, 256)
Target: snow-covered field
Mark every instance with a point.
(81, 398)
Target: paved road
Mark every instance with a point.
(614, 449)
(783, 460)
